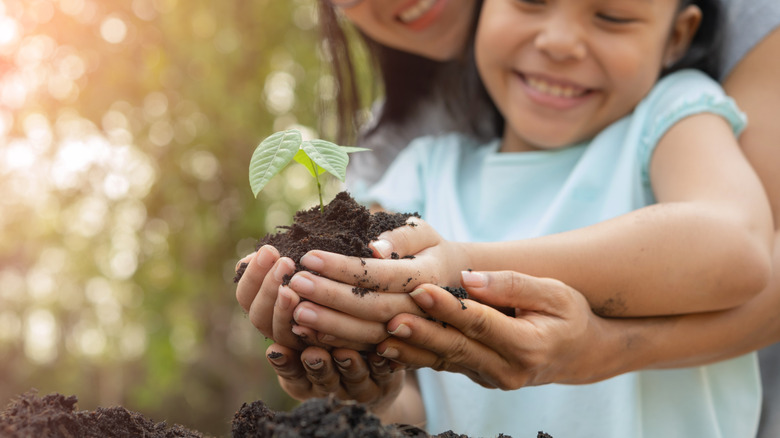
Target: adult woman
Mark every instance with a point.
(686, 340)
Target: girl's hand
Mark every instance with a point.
(550, 336)
(269, 305)
(314, 372)
(403, 259)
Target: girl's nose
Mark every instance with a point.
(561, 40)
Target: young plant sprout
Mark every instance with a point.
(319, 156)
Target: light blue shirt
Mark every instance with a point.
(471, 192)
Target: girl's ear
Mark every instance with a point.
(685, 25)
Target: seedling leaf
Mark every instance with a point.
(326, 155)
(271, 156)
(304, 159)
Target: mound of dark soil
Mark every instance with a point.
(344, 227)
(55, 415)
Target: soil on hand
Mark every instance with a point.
(344, 227)
(55, 415)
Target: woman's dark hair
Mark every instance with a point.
(706, 48)
(408, 81)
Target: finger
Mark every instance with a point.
(355, 375)
(286, 301)
(262, 307)
(258, 265)
(320, 371)
(289, 370)
(520, 291)
(474, 320)
(405, 241)
(362, 334)
(348, 299)
(416, 349)
(367, 274)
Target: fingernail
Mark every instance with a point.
(280, 272)
(422, 298)
(277, 358)
(303, 315)
(265, 258)
(283, 299)
(244, 261)
(473, 279)
(327, 338)
(299, 331)
(312, 262)
(343, 363)
(389, 353)
(317, 364)
(383, 247)
(402, 331)
(302, 285)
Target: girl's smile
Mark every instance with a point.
(554, 93)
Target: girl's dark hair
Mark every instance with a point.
(706, 48)
(409, 80)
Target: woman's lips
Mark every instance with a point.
(419, 14)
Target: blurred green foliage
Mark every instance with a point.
(126, 129)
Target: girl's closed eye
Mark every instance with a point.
(614, 18)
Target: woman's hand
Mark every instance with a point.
(551, 334)
(314, 372)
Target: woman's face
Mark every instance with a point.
(435, 29)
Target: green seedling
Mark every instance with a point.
(318, 156)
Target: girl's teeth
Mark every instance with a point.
(553, 90)
(416, 11)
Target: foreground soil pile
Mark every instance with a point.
(55, 415)
(344, 227)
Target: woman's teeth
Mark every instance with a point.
(554, 89)
(418, 10)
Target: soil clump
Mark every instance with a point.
(344, 227)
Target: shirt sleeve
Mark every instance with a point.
(747, 23)
(675, 97)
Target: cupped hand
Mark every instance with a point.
(550, 335)
(315, 372)
(268, 304)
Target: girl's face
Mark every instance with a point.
(435, 29)
(560, 71)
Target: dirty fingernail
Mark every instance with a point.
(473, 279)
(315, 364)
(312, 262)
(244, 261)
(383, 247)
(422, 298)
(344, 364)
(277, 358)
(299, 331)
(327, 338)
(402, 331)
(389, 353)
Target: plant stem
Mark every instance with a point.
(319, 187)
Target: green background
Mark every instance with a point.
(126, 129)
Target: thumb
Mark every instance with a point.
(406, 240)
(520, 291)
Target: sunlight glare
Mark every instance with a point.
(40, 337)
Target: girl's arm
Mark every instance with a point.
(704, 246)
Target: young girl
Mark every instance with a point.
(631, 183)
